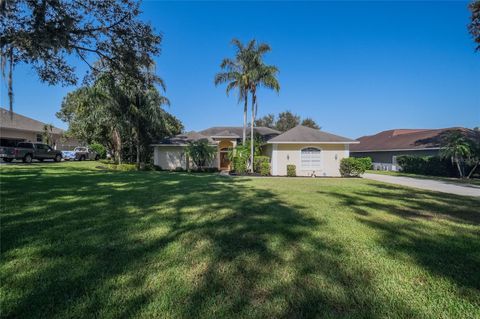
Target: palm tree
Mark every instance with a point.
(261, 75)
(236, 74)
(456, 147)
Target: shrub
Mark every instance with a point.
(201, 152)
(258, 162)
(99, 149)
(366, 162)
(265, 169)
(351, 167)
(427, 165)
(239, 164)
(291, 170)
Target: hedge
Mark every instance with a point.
(352, 167)
(265, 169)
(366, 162)
(258, 161)
(291, 170)
(427, 165)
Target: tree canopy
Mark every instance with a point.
(45, 33)
(123, 119)
(285, 121)
(474, 26)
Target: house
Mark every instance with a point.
(312, 151)
(384, 147)
(16, 128)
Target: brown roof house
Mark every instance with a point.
(384, 147)
(16, 128)
(313, 152)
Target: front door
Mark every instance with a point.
(224, 161)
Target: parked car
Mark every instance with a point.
(27, 151)
(81, 154)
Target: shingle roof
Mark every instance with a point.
(303, 134)
(182, 139)
(226, 133)
(20, 122)
(402, 139)
(238, 130)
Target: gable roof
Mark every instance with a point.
(23, 123)
(403, 139)
(238, 131)
(304, 134)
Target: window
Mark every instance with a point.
(311, 158)
(40, 146)
(25, 145)
(39, 138)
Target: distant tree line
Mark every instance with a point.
(285, 121)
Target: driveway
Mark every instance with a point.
(428, 184)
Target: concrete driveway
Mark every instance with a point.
(428, 184)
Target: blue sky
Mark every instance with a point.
(355, 67)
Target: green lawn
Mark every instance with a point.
(80, 242)
(452, 180)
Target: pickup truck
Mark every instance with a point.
(27, 151)
(81, 154)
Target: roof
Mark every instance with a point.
(23, 123)
(238, 131)
(403, 139)
(304, 134)
(182, 139)
(226, 133)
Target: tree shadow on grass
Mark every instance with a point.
(82, 243)
(438, 230)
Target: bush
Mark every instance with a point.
(351, 167)
(99, 149)
(291, 170)
(258, 162)
(239, 164)
(427, 165)
(265, 169)
(366, 162)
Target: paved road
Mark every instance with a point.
(428, 184)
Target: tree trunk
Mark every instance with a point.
(473, 170)
(254, 98)
(244, 139)
(459, 168)
(10, 84)
(138, 149)
(118, 145)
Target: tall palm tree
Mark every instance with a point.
(237, 74)
(456, 147)
(261, 75)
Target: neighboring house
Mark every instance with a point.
(312, 151)
(384, 148)
(19, 128)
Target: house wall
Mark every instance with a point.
(29, 136)
(171, 157)
(17, 134)
(286, 154)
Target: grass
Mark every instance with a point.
(81, 242)
(452, 180)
